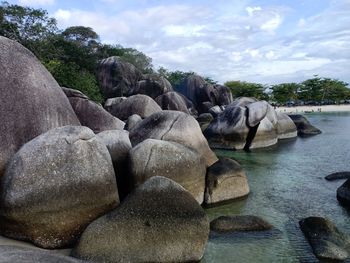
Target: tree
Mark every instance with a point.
(25, 24)
(284, 92)
(81, 35)
(247, 89)
(174, 77)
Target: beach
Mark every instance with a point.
(310, 109)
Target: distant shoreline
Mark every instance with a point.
(311, 109)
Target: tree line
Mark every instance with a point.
(71, 55)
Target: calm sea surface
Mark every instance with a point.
(287, 184)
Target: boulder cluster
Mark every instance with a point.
(119, 183)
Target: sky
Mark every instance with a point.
(266, 41)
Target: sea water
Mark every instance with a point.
(287, 184)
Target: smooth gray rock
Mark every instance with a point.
(205, 118)
(285, 126)
(74, 93)
(343, 193)
(173, 126)
(159, 222)
(55, 185)
(338, 176)
(116, 77)
(175, 101)
(326, 240)
(113, 101)
(132, 121)
(304, 127)
(226, 180)
(227, 224)
(91, 114)
(169, 159)
(14, 254)
(152, 85)
(256, 112)
(141, 105)
(31, 101)
(118, 145)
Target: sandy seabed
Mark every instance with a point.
(310, 109)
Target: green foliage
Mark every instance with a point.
(25, 24)
(284, 92)
(174, 77)
(83, 36)
(247, 89)
(71, 76)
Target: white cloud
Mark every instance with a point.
(269, 44)
(36, 2)
(272, 24)
(252, 10)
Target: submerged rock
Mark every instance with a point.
(14, 254)
(141, 105)
(326, 240)
(159, 222)
(169, 159)
(173, 126)
(343, 193)
(304, 127)
(226, 180)
(31, 101)
(227, 224)
(338, 176)
(55, 185)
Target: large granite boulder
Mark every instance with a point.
(152, 85)
(31, 101)
(132, 121)
(327, 242)
(247, 123)
(112, 101)
(141, 105)
(117, 77)
(14, 254)
(159, 222)
(285, 126)
(304, 127)
(169, 159)
(175, 101)
(118, 145)
(228, 130)
(228, 224)
(224, 95)
(197, 90)
(173, 126)
(91, 114)
(343, 193)
(226, 180)
(55, 185)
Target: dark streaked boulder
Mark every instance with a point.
(31, 101)
(304, 127)
(91, 114)
(175, 101)
(117, 77)
(152, 85)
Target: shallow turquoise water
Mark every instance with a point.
(287, 184)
